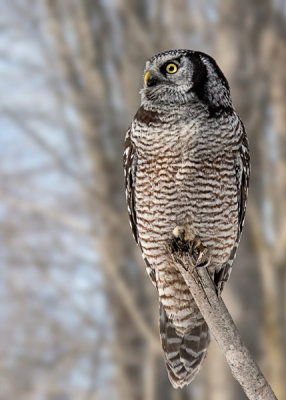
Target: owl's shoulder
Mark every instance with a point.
(147, 116)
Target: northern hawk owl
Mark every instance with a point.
(186, 163)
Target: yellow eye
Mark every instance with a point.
(171, 68)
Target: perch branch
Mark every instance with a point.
(242, 365)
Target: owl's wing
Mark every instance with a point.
(130, 159)
(130, 167)
(242, 168)
(242, 173)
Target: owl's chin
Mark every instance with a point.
(166, 95)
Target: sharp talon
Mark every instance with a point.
(203, 258)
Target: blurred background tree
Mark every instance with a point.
(78, 314)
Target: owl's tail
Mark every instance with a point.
(183, 354)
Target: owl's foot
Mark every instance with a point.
(201, 254)
(185, 244)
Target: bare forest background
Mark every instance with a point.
(78, 314)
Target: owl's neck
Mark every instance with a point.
(189, 110)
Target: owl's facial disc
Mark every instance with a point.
(167, 80)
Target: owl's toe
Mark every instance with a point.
(200, 254)
(183, 233)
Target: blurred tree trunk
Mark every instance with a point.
(217, 377)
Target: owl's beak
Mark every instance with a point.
(146, 77)
(149, 80)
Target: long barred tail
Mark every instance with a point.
(183, 354)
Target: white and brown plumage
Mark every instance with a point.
(186, 162)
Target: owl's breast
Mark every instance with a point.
(172, 188)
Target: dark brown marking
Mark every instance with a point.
(147, 117)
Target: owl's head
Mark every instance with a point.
(179, 77)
